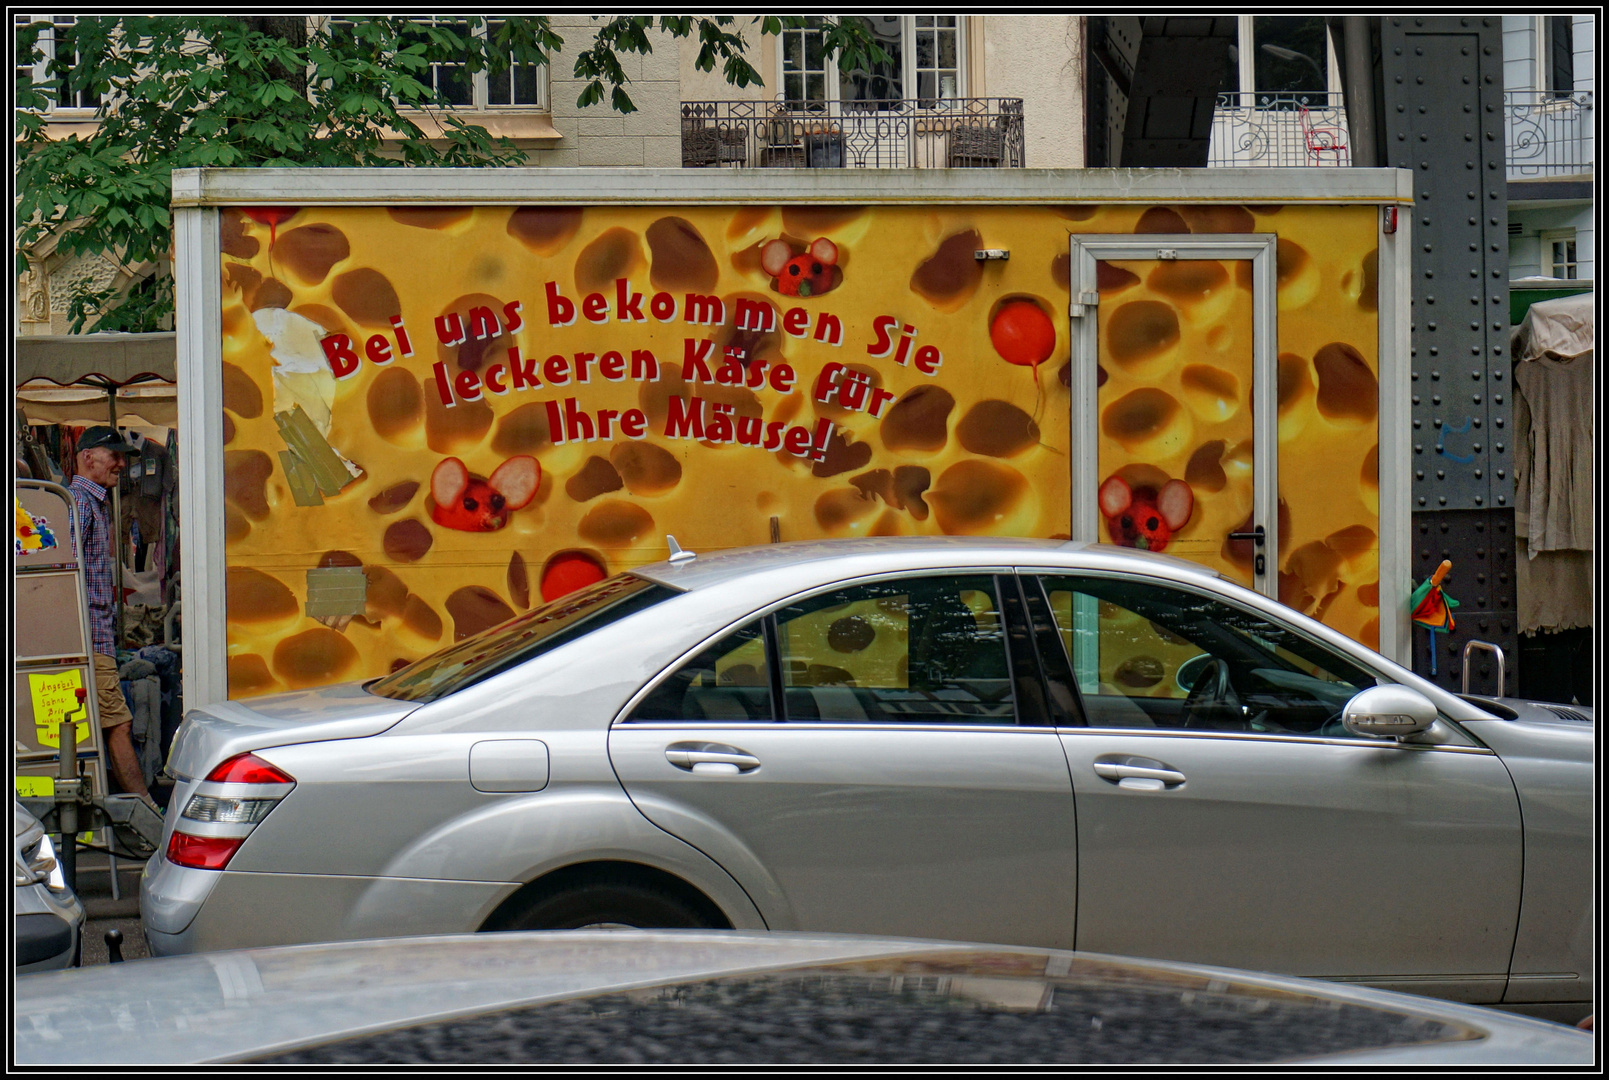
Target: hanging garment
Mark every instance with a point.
(1553, 466)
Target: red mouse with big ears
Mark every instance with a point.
(1144, 517)
(470, 504)
(808, 274)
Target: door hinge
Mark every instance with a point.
(1081, 301)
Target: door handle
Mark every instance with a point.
(1256, 536)
(722, 758)
(1120, 767)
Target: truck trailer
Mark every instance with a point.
(417, 402)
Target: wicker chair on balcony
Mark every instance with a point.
(704, 145)
(975, 145)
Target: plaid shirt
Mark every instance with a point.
(95, 521)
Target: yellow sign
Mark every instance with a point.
(36, 787)
(56, 697)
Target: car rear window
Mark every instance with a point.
(482, 655)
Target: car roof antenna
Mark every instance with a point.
(677, 555)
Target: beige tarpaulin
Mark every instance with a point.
(1553, 482)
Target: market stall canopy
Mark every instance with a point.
(97, 359)
(1559, 329)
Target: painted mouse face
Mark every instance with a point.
(809, 274)
(470, 504)
(1145, 518)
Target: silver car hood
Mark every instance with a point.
(226, 728)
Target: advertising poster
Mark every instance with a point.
(438, 417)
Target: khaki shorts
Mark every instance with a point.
(109, 695)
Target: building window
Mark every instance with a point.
(1558, 254)
(926, 62)
(50, 35)
(1556, 54)
(1284, 59)
(518, 86)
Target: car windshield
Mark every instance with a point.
(482, 655)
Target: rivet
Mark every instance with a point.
(1430, 326)
(1419, 475)
(1427, 247)
(1434, 350)
(1497, 273)
(1424, 138)
(1422, 501)
(1475, 247)
(1474, 273)
(1468, 137)
(1476, 421)
(1466, 80)
(1469, 164)
(1419, 52)
(1442, 499)
(1424, 164)
(1474, 326)
(1497, 351)
(1479, 500)
(1498, 398)
(1501, 499)
(1418, 448)
(1429, 274)
(1477, 399)
(1441, 475)
(1416, 399)
(1473, 221)
(1424, 221)
(1477, 448)
(1477, 474)
(1399, 79)
(1435, 374)
(1500, 450)
(1498, 374)
(1498, 420)
(1417, 424)
(1435, 399)
(1501, 474)
(1465, 50)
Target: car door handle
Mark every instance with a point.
(1120, 767)
(725, 759)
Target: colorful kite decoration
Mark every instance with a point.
(1433, 609)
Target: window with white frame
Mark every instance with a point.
(1280, 58)
(82, 101)
(927, 62)
(1558, 254)
(517, 86)
(1555, 36)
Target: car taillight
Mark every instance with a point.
(224, 809)
(203, 852)
(247, 769)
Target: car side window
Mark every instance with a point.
(1147, 655)
(915, 650)
(728, 681)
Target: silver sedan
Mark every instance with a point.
(1019, 742)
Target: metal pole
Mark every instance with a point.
(1360, 91)
(117, 540)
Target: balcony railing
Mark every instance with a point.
(1279, 130)
(1547, 135)
(957, 133)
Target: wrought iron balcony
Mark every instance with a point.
(1547, 135)
(1279, 130)
(956, 133)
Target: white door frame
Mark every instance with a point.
(1260, 248)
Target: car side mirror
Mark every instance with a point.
(1385, 712)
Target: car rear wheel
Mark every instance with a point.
(606, 906)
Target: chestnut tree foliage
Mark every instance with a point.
(284, 91)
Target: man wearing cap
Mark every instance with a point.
(100, 462)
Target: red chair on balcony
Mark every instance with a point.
(1323, 139)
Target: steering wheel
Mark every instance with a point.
(1212, 701)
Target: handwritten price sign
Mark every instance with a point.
(56, 698)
